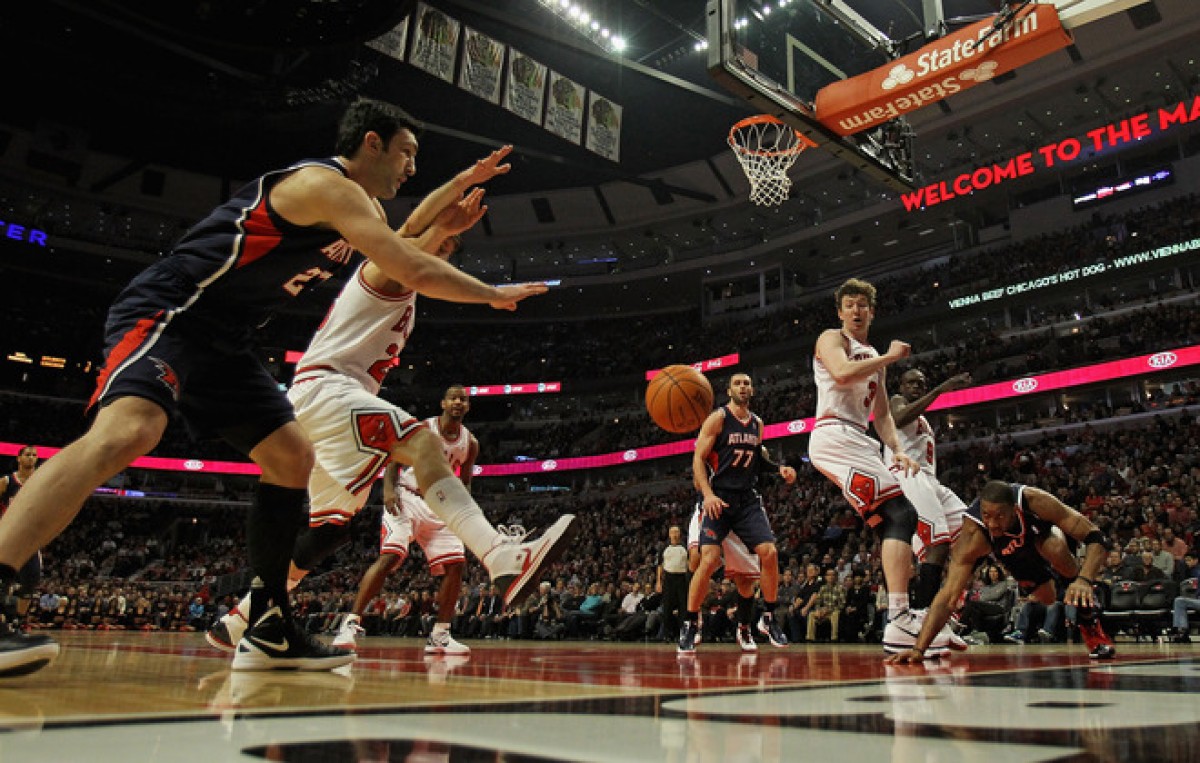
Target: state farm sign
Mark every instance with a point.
(942, 68)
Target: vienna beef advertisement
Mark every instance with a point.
(949, 65)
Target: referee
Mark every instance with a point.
(673, 583)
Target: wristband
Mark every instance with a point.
(1089, 581)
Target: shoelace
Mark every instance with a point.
(512, 533)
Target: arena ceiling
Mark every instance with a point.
(233, 88)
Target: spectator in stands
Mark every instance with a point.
(1176, 547)
(804, 601)
(830, 601)
(1114, 568)
(988, 611)
(1184, 604)
(1163, 559)
(1146, 570)
(586, 612)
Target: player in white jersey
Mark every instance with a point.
(851, 382)
(407, 518)
(355, 433)
(740, 562)
(939, 510)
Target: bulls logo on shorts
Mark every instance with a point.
(864, 488)
(376, 430)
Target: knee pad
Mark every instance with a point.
(899, 519)
(316, 543)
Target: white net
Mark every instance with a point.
(766, 148)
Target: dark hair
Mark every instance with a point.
(366, 115)
(998, 492)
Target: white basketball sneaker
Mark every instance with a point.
(350, 630)
(901, 633)
(227, 631)
(514, 564)
(441, 642)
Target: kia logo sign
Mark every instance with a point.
(629, 455)
(796, 427)
(1021, 386)
(1162, 360)
(549, 466)
(192, 465)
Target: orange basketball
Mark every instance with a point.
(679, 398)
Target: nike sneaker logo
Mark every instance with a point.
(282, 645)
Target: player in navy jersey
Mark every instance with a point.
(1033, 534)
(728, 458)
(27, 460)
(179, 338)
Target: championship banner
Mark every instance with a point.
(482, 64)
(391, 43)
(942, 68)
(564, 110)
(435, 40)
(603, 127)
(525, 87)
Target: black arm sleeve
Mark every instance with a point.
(765, 464)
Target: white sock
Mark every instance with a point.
(897, 603)
(243, 607)
(441, 628)
(463, 517)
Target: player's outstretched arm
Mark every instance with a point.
(906, 413)
(452, 190)
(344, 205)
(831, 351)
(1077, 526)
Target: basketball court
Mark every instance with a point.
(155, 697)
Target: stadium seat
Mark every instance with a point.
(1153, 612)
(1118, 614)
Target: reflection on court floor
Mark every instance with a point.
(162, 698)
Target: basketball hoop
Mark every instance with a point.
(766, 148)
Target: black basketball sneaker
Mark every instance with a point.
(276, 642)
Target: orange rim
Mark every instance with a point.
(802, 142)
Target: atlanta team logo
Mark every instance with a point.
(168, 377)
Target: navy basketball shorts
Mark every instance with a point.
(745, 516)
(220, 390)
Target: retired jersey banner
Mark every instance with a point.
(482, 65)
(564, 110)
(603, 127)
(435, 40)
(391, 43)
(525, 86)
(942, 68)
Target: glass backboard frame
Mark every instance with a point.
(884, 153)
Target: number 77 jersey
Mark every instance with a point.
(733, 462)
